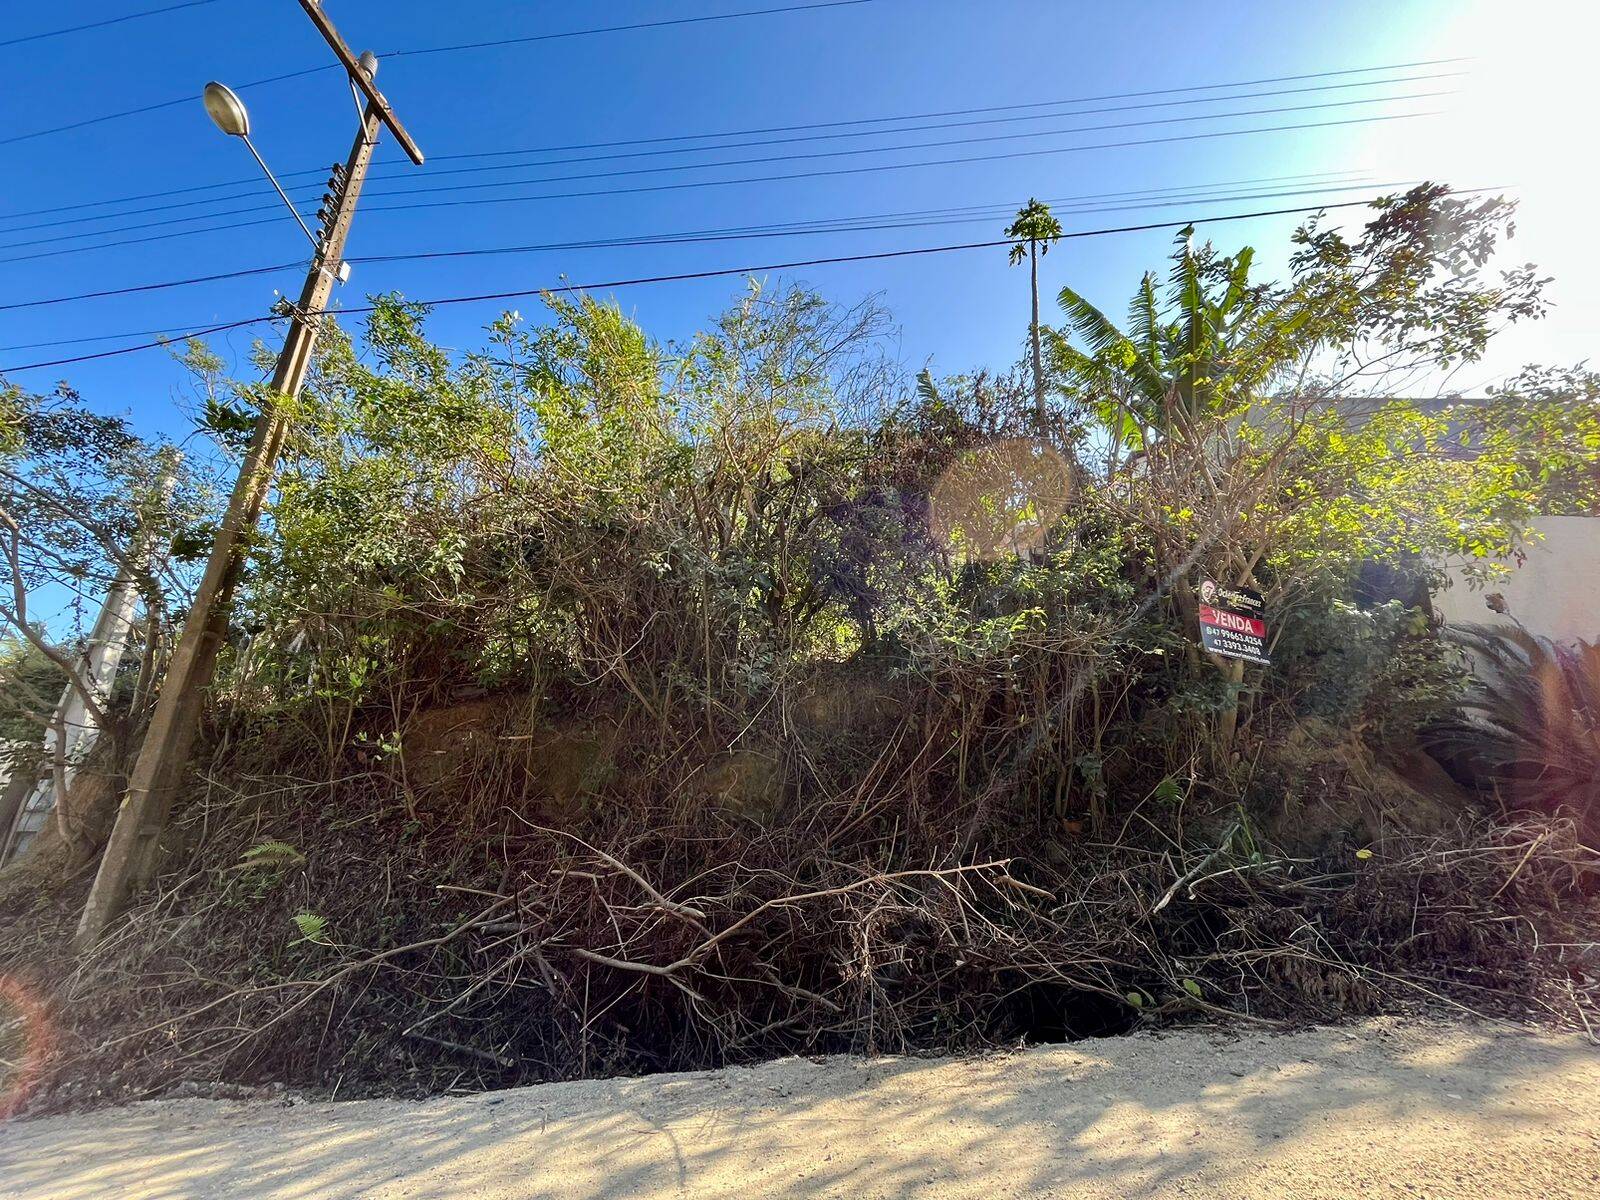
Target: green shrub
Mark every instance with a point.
(1532, 728)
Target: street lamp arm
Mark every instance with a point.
(282, 195)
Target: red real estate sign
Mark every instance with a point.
(1233, 634)
(1237, 622)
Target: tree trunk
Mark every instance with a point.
(1231, 669)
(1033, 330)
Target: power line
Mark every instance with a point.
(571, 33)
(683, 277)
(928, 128)
(847, 171)
(152, 12)
(615, 191)
(315, 189)
(967, 112)
(666, 187)
(1323, 181)
(860, 150)
(908, 221)
(550, 37)
(150, 108)
(137, 288)
(185, 336)
(741, 162)
(972, 214)
(661, 140)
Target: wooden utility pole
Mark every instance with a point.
(131, 854)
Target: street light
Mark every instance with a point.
(133, 850)
(227, 110)
(230, 115)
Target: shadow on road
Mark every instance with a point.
(1117, 1117)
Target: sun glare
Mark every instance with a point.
(1522, 122)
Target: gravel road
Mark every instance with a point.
(1385, 1108)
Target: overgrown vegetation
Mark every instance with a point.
(598, 705)
(1531, 727)
(88, 509)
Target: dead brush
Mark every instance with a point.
(648, 942)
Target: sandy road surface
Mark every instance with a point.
(1381, 1109)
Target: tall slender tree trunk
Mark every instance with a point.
(1033, 331)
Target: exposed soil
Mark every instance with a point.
(1383, 1108)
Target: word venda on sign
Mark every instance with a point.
(1238, 622)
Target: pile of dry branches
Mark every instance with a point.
(650, 941)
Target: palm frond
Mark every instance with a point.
(1110, 345)
(1238, 296)
(1533, 721)
(1144, 319)
(1186, 295)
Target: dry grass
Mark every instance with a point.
(488, 946)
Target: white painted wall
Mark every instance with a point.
(1555, 592)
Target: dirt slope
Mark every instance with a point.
(1382, 1109)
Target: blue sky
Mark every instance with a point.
(881, 58)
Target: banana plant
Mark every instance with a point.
(1201, 350)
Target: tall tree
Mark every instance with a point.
(88, 514)
(1035, 230)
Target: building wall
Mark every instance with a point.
(1555, 592)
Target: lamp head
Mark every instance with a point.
(227, 110)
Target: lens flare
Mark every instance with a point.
(24, 1044)
(1001, 499)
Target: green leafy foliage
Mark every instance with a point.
(1169, 790)
(1247, 430)
(1035, 228)
(702, 526)
(271, 856)
(693, 531)
(85, 504)
(313, 928)
(1380, 670)
(32, 686)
